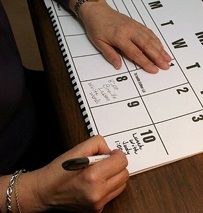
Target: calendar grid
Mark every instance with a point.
(152, 118)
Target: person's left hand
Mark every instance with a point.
(109, 29)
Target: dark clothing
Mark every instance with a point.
(17, 116)
(24, 124)
(65, 4)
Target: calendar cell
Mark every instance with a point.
(172, 103)
(95, 66)
(120, 116)
(153, 118)
(138, 144)
(109, 90)
(80, 46)
(179, 139)
(164, 79)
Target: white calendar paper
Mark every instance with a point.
(154, 119)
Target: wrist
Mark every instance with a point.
(79, 3)
(4, 181)
(29, 193)
(80, 7)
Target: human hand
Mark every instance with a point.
(85, 190)
(108, 29)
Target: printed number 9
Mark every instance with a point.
(133, 104)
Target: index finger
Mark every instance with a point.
(93, 146)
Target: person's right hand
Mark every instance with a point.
(86, 190)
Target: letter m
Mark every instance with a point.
(155, 5)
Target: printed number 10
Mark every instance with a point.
(147, 137)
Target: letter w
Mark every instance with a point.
(179, 43)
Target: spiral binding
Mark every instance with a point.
(71, 74)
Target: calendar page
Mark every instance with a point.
(154, 119)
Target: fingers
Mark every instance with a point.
(135, 40)
(107, 179)
(148, 57)
(146, 53)
(117, 161)
(149, 52)
(110, 54)
(144, 48)
(114, 193)
(116, 183)
(93, 186)
(100, 205)
(92, 146)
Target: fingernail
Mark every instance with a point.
(167, 57)
(166, 66)
(154, 69)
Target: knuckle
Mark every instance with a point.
(147, 44)
(91, 178)
(110, 56)
(99, 138)
(96, 201)
(147, 64)
(138, 53)
(122, 159)
(126, 174)
(96, 193)
(119, 34)
(98, 207)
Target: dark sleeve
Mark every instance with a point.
(16, 109)
(11, 83)
(64, 3)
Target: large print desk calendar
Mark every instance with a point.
(153, 118)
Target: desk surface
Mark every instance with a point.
(177, 187)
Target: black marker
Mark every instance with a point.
(81, 163)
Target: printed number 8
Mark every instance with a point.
(122, 78)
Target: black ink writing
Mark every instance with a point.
(140, 82)
(130, 146)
